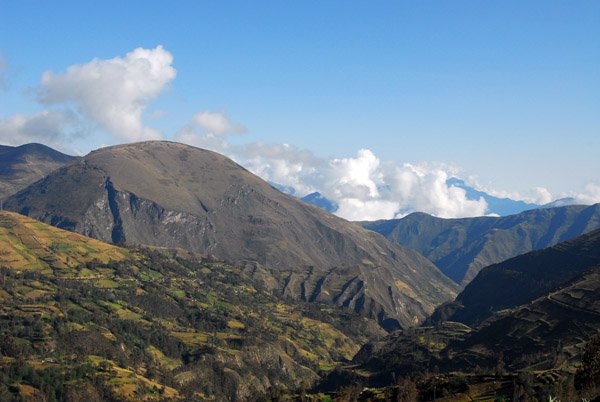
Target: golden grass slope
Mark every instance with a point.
(27, 244)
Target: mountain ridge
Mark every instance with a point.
(172, 195)
(462, 247)
(20, 166)
(540, 327)
(522, 278)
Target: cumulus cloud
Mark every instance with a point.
(49, 127)
(209, 131)
(590, 195)
(537, 195)
(423, 188)
(115, 92)
(216, 123)
(190, 135)
(362, 186)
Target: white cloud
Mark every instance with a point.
(354, 209)
(423, 188)
(48, 127)
(591, 194)
(355, 177)
(541, 196)
(363, 187)
(537, 195)
(114, 92)
(189, 135)
(216, 123)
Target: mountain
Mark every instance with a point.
(560, 203)
(315, 198)
(545, 334)
(84, 320)
(496, 205)
(320, 201)
(172, 195)
(20, 166)
(462, 247)
(531, 313)
(522, 279)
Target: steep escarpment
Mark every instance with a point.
(173, 195)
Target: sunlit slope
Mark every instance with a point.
(144, 324)
(31, 245)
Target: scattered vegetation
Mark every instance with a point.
(148, 325)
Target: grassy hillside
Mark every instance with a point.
(27, 244)
(79, 317)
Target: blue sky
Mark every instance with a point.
(503, 93)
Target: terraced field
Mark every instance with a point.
(147, 324)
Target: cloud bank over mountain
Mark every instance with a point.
(363, 187)
(110, 96)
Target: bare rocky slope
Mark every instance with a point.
(172, 195)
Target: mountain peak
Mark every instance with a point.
(173, 195)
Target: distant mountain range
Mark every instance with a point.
(23, 165)
(496, 205)
(462, 247)
(172, 195)
(20, 166)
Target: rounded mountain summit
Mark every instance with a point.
(177, 196)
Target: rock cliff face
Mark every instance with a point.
(173, 195)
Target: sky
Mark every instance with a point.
(374, 104)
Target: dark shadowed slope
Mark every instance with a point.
(547, 333)
(522, 279)
(462, 247)
(550, 306)
(173, 195)
(20, 166)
